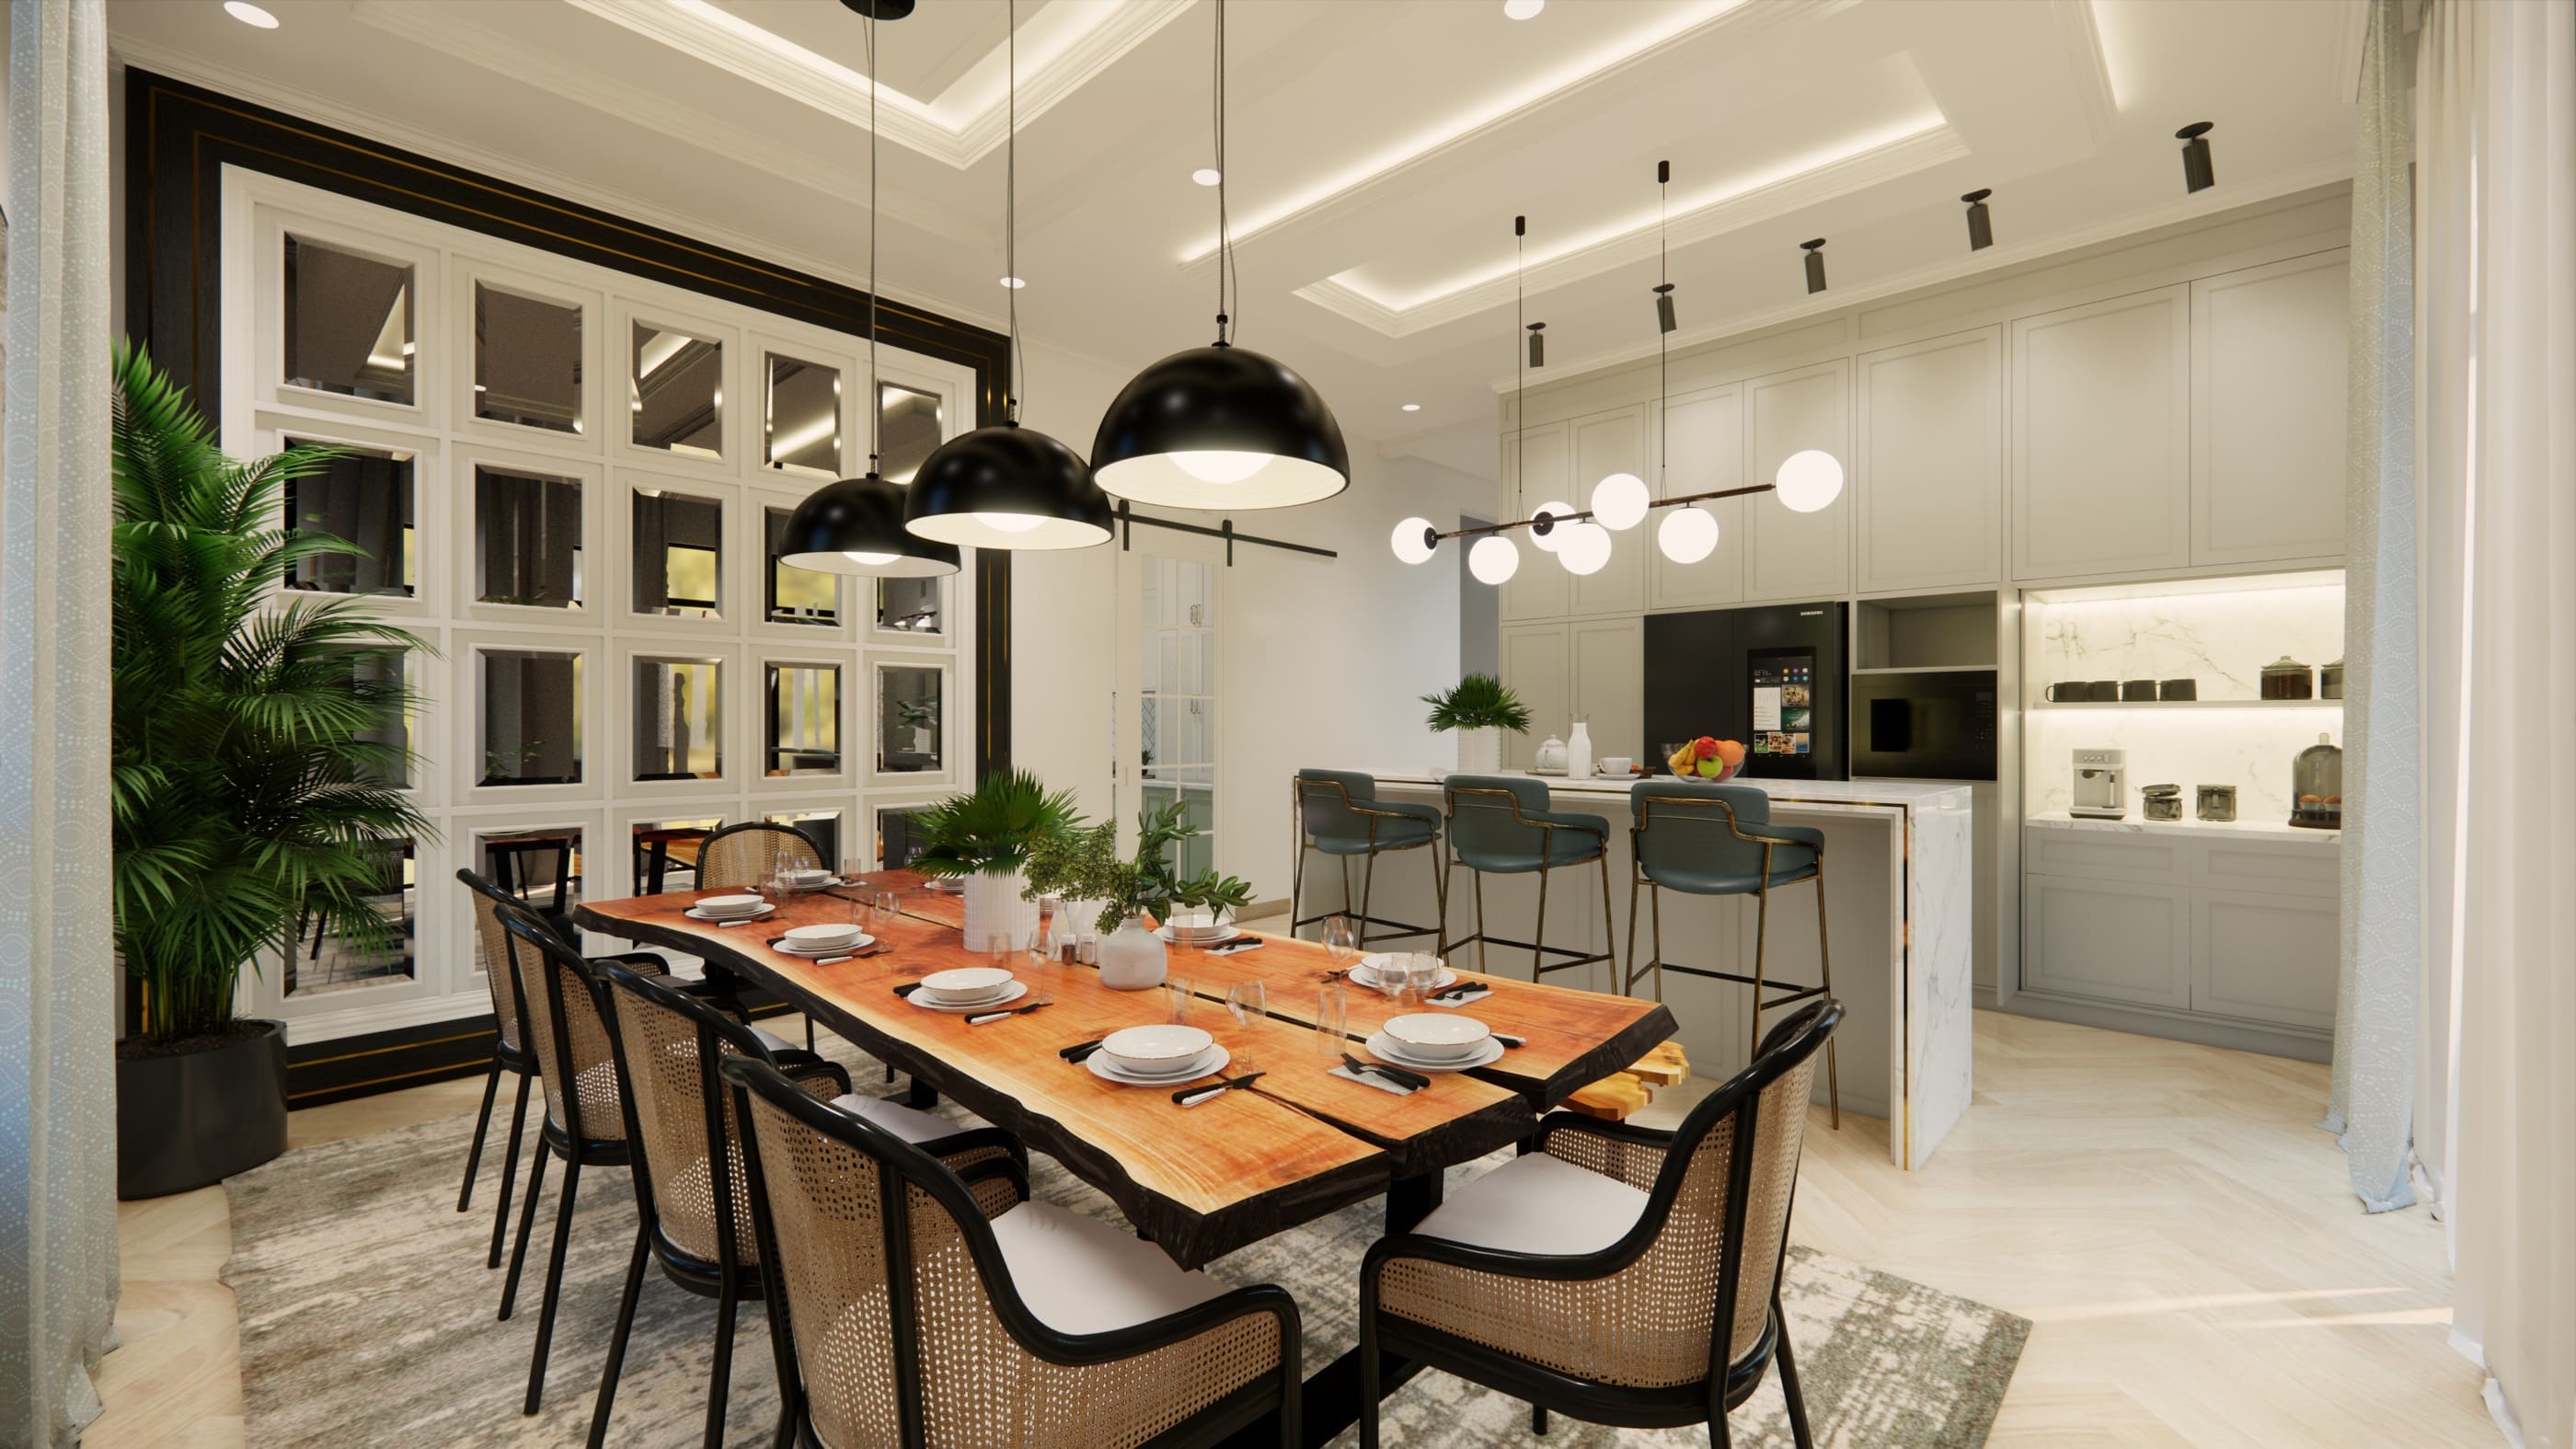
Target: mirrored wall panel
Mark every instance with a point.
(898, 838)
(527, 538)
(909, 718)
(910, 606)
(679, 718)
(804, 719)
(349, 325)
(794, 595)
(823, 827)
(325, 956)
(540, 865)
(908, 430)
(675, 391)
(666, 852)
(529, 729)
(678, 563)
(382, 674)
(363, 496)
(802, 425)
(527, 359)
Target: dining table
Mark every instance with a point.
(1199, 1180)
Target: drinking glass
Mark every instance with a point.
(1341, 941)
(1412, 977)
(1177, 988)
(852, 869)
(999, 949)
(1332, 1022)
(1248, 1000)
(1037, 949)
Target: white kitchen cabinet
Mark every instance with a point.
(2101, 457)
(1537, 667)
(1791, 555)
(2265, 957)
(2116, 941)
(1609, 661)
(1928, 475)
(1613, 442)
(1701, 448)
(2268, 347)
(1537, 468)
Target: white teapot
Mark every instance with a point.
(1551, 757)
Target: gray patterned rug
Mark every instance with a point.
(367, 1318)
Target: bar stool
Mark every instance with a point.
(1501, 825)
(1338, 813)
(1718, 840)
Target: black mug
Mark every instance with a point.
(2179, 689)
(2134, 690)
(2083, 691)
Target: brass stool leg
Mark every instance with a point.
(1538, 935)
(1440, 892)
(1346, 893)
(1655, 909)
(1825, 978)
(1761, 940)
(1296, 880)
(1480, 916)
(1609, 937)
(1628, 973)
(1368, 891)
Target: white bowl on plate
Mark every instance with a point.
(964, 984)
(1442, 1036)
(730, 905)
(817, 937)
(807, 879)
(1152, 1050)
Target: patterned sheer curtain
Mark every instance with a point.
(2375, 1017)
(58, 1275)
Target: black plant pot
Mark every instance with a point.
(186, 1119)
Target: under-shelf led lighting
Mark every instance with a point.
(249, 14)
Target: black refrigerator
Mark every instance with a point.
(1774, 677)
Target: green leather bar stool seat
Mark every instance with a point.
(1503, 825)
(1339, 815)
(1718, 840)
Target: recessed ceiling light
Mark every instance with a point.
(1413, 407)
(249, 14)
(1207, 176)
(1523, 9)
(1015, 283)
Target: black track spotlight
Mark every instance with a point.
(1664, 321)
(2197, 174)
(1538, 344)
(1981, 222)
(1815, 251)
(1664, 309)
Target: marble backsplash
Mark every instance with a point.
(2251, 749)
(2220, 639)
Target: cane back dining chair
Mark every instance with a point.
(1504, 825)
(744, 856)
(691, 1219)
(1338, 813)
(1616, 1274)
(918, 1320)
(1718, 840)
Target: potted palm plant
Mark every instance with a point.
(248, 799)
(1478, 708)
(985, 837)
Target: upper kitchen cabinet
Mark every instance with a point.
(1539, 667)
(1790, 555)
(1701, 451)
(1928, 484)
(1538, 467)
(2102, 437)
(1613, 442)
(2267, 406)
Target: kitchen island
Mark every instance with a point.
(1899, 911)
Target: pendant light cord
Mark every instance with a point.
(1224, 226)
(876, 403)
(1011, 223)
(1520, 357)
(1663, 339)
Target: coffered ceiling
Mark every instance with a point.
(1378, 149)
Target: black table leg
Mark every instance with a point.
(921, 1094)
(660, 864)
(1411, 1199)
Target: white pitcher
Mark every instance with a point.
(1578, 753)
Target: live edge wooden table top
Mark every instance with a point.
(1199, 1181)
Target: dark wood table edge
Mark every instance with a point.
(1618, 1053)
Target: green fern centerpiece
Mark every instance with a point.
(1479, 701)
(992, 829)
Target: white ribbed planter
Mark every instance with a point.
(994, 907)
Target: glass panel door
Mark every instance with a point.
(1166, 709)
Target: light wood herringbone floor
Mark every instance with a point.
(2168, 1216)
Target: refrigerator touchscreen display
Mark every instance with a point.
(1784, 702)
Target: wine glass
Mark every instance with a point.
(1248, 1000)
(1341, 941)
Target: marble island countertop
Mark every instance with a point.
(1890, 793)
(2268, 830)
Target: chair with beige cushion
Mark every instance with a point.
(920, 1317)
(1619, 1275)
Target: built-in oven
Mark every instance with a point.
(1923, 724)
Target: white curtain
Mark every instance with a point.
(58, 1274)
(2376, 1008)
(2496, 375)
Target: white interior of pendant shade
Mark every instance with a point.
(893, 566)
(1160, 478)
(1019, 531)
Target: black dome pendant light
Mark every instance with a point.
(1007, 486)
(1221, 426)
(855, 526)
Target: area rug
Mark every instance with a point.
(367, 1318)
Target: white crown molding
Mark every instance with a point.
(1999, 258)
(2082, 38)
(1936, 145)
(1074, 43)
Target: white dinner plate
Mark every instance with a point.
(1206, 1064)
(694, 914)
(1388, 1048)
(1365, 974)
(1201, 935)
(1003, 997)
(790, 948)
(947, 885)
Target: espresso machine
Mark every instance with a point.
(2101, 788)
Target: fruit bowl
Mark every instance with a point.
(1712, 760)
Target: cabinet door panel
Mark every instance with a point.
(1609, 657)
(2102, 437)
(1702, 451)
(1612, 443)
(1928, 485)
(2265, 958)
(2105, 940)
(1537, 668)
(2267, 405)
(1791, 555)
(1537, 468)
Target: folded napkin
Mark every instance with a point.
(1477, 995)
(1372, 1079)
(1248, 943)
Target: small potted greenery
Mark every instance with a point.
(986, 837)
(1086, 868)
(1478, 709)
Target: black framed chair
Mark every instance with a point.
(1338, 814)
(1505, 825)
(693, 1221)
(1619, 1275)
(743, 856)
(921, 1317)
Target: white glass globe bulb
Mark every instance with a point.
(1547, 542)
(1408, 541)
(1493, 559)
(1585, 549)
(1619, 502)
(1809, 480)
(1687, 535)
(1219, 466)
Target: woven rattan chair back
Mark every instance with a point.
(669, 1043)
(564, 1029)
(748, 854)
(492, 954)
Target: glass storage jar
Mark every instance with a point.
(2163, 802)
(2287, 678)
(2316, 786)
